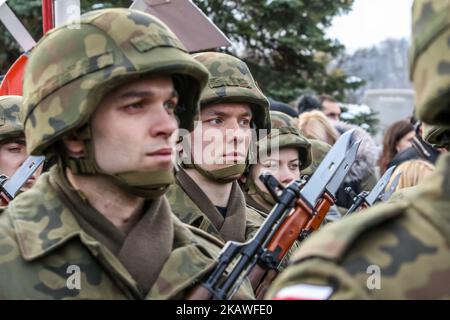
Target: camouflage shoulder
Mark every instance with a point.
(335, 240)
(403, 194)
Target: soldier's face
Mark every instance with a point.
(284, 165)
(133, 126)
(12, 154)
(224, 136)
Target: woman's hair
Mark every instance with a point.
(315, 125)
(392, 136)
(412, 173)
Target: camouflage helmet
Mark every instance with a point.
(284, 128)
(438, 137)
(74, 66)
(429, 64)
(10, 125)
(231, 81)
(319, 150)
(286, 135)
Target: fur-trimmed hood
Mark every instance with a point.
(368, 152)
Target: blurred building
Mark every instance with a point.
(391, 104)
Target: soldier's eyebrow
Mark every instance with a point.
(143, 94)
(19, 140)
(224, 114)
(246, 114)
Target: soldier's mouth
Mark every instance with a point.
(163, 155)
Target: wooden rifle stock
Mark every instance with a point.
(299, 224)
(199, 292)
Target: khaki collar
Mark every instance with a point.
(233, 226)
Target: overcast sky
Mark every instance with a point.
(372, 21)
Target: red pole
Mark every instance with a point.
(47, 15)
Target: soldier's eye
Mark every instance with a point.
(215, 121)
(134, 106)
(245, 122)
(15, 148)
(170, 105)
(271, 165)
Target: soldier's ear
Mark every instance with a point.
(74, 147)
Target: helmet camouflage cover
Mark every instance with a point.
(429, 63)
(284, 128)
(319, 150)
(10, 124)
(231, 81)
(285, 132)
(74, 66)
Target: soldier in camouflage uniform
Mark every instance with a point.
(12, 139)
(397, 250)
(283, 153)
(291, 153)
(207, 194)
(104, 98)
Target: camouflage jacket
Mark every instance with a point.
(188, 209)
(391, 251)
(402, 194)
(42, 246)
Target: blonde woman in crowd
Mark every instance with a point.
(412, 173)
(362, 176)
(315, 125)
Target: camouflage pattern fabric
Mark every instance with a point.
(429, 66)
(70, 70)
(288, 137)
(402, 194)
(231, 81)
(319, 150)
(284, 134)
(406, 241)
(41, 242)
(187, 210)
(10, 124)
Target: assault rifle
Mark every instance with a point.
(300, 210)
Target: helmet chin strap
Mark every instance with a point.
(147, 185)
(223, 175)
